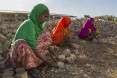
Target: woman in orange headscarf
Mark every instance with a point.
(61, 32)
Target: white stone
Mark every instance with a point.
(82, 56)
(60, 64)
(61, 57)
(66, 52)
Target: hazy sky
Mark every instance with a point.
(72, 7)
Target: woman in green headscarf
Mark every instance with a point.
(31, 40)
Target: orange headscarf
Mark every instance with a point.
(58, 31)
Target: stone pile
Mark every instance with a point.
(15, 73)
(67, 56)
(7, 32)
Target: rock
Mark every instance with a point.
(113, 43)
(9, 69)
(102, 41)
(67, 52)
(8, 73)
(69, 60)
(51, 48)
(1, 58)
(10, 30)
(82, 56)
(8, 77)
(7, 43)
(5, 32)
(76, 46)
(83, 41)
(2, 38)
(21, 75)
(95, 40)
(19, 70)
(76, 52)
(61, 57)
(56, 48)
(9, 35)
(72, 56)
(60, 64)
(4, 48)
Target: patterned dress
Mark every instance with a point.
(21, 54)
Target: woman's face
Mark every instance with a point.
(42, 18)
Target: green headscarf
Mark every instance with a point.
(31, 28)
(35, 13)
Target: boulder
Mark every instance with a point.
(22, 75)
(60, 64)
(8, 73)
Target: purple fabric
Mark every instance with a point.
(85, 29)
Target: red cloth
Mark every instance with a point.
(58, 31)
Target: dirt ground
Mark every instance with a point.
(93, 61)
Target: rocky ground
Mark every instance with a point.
(86, 59)
(93, 60)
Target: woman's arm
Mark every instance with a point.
(43, 58)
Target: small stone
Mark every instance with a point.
(4, 48)
(60, 64)
(72, 56)
(51, 48)
(67, 52)
(61, 57)
(69, 60)
(8, 73)
(7, 43)
(19, 70)
(76, 52)
(2, 38)
(56, 48)
(8, 77)
(82, 56)
(1, 58)
(83, 41)
(21, 75)
(5, 32)
(9, 69)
